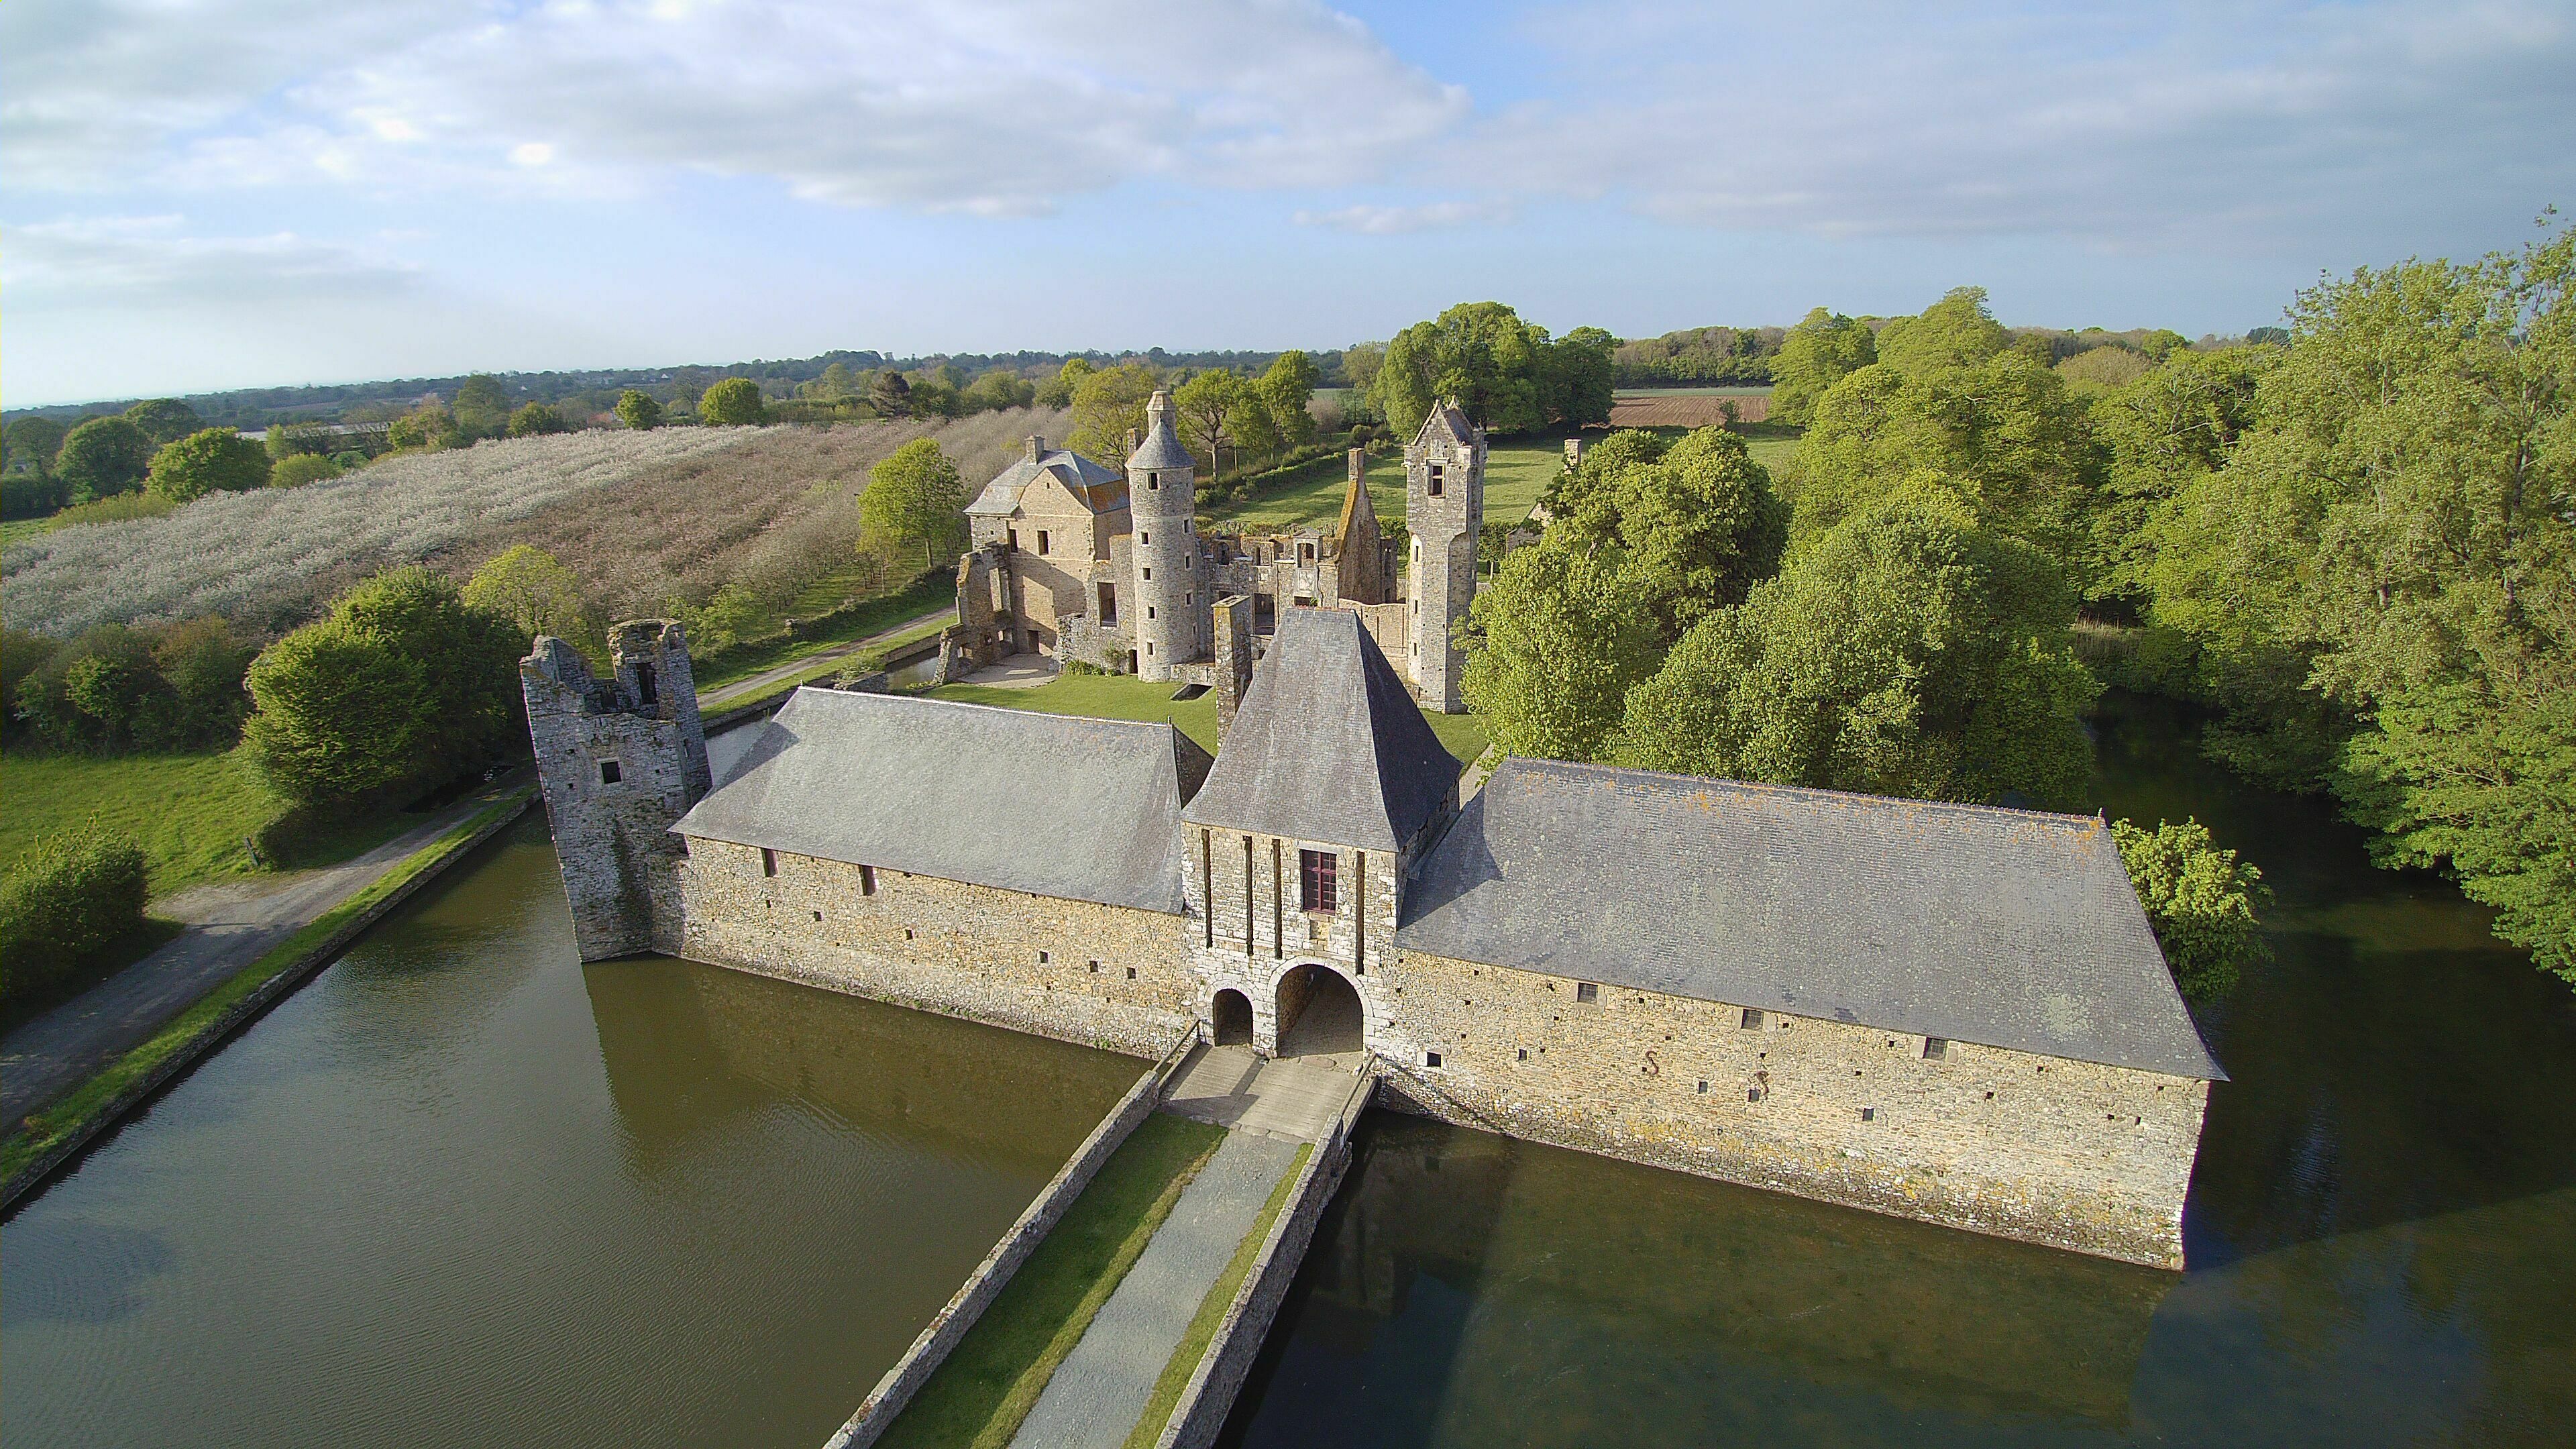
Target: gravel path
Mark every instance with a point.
(742, 689)
(1101, 1388)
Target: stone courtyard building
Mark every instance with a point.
(1946, 1012)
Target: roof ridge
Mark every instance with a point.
(1012, 710)
(2058, 817)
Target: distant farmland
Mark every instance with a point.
(1691, 408)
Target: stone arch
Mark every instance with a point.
(1231, 1014)
(1320, 1012)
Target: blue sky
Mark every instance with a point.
(201, 196)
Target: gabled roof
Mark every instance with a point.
(1098, 485)
(1056, 805)
(1162, 446)
(2009, 928)
(1329, 746)
(1447, 417)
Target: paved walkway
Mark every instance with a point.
(230, 925)
(744, 689)
(1268, 1107)
(1100, 1390)
(1020, 671)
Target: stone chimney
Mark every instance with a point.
(1359, 466)
(1037, 447)
(1135, 440)
(1232, 646)
(1573, 454)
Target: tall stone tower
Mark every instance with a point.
(1444, 487)
(620, 759)
(1162, 493)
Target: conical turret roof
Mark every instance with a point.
(1329, 745)
(1162, 446)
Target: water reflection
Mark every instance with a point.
(462, 1190)
(2381, 1230)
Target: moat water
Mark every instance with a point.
(462, 1190)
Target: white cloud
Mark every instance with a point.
(145, 262)
(982, 106)
(2209, 126)
(1373, 220)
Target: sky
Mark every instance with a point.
(201, 196)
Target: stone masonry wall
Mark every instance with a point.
(1106, 976)
(2071, 1154)
(1357, 939)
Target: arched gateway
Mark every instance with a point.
(1319, 1012)
(1233, 1012)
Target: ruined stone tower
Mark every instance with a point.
(1162, 494)
(1444, 482)
(620, 759)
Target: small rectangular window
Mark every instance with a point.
(1520, 1054)
(1869, 1114)
(609, 773)
(1431, 1059)
(1042, 542)
(1935, 1048)
(1014, 535)
(1185, 563)
(1753, 1094)
(1586, 993)
(1435, 480)
(867, 880)
(768, 861)
(1703, 1089)
(1752, 1019)
(1131, 973)
(1095, 968)
(1153, 482)
(1042, 958)
(1318, 888)
(1149, 575)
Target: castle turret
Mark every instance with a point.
(1162, 492)
(1444, 480)
(620, 760)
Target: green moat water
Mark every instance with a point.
(460, 1190)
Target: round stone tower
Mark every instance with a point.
(1172, 599)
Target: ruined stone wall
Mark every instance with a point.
(1105, 976)
(2070, 1154)
(1391, 625)
(618, 761)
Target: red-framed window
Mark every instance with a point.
(1317, 888)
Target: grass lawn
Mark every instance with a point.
(1184, 1362)
(924, 594)
(14, 529)
(1514, 474)
(1124, 696)
(978, 1398)
(188, 812)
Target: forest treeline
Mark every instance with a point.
(2353, 542)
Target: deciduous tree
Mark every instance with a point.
(102, 457)
(534, 420)
(1559, 639)
(1107, 403)
(1823, 349)
(734, 402)
(637, 409)
(214, 460)
(1907, 652)
(2204, 903)
(165, 419)
(915, 496)
(533, 590)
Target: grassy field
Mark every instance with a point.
(1514, 474)
(188, 812)
(979, 1396)
(1184, 1362)
(1123, 696)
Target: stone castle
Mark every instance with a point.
(1945, 1012)
(1076, 561)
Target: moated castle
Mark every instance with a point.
(1946, 1012)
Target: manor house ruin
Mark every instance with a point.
(1945, 1012)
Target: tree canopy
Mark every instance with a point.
(213, 460)
(2204, 903)
(1906, 652)
(536, 419)
(1107, 403)
(1823, 349)
(1695, 523)
(637, 409)
(1559, 640)
(534, 591)
(1956, 332)
(103, 457)
(1505, 372)
(915, 496)
(734, 402)
(165, 419)
(400, 687)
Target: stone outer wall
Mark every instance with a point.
(1113, 977)
(1209, 1396)
(2070, 1154)
(1357, 939)
(949, 1326)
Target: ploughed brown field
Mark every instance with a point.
(1686, 410)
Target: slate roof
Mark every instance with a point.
(1098, 485)
(1329, 745)
(1449, 416)
(2008, 928)
(1162, 447)
(1057, 805)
